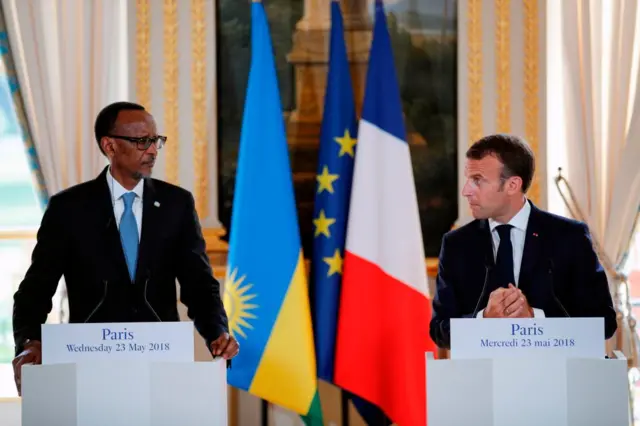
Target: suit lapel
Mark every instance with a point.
(532, 248)
(485, 244)
(110, 234)
(150, 220)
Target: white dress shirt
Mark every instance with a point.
(519, 224)
(117, 191)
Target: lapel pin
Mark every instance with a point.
(157, 204)
(535, 234)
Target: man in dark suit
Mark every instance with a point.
(121, 241)
(514, 260)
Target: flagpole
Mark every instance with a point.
(264, 404)
(344, 408)
(264, 412)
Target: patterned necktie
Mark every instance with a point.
(504, 259)
(129, 233)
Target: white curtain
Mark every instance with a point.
(601, 123)
(71, 59)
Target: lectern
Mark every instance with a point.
(124, 383)
(527, 383)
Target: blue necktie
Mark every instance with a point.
(504, 259)
(129, 233)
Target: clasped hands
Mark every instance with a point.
(508, 303)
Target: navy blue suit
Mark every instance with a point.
(560, 273)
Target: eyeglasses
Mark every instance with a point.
(144, 143)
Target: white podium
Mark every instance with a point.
(124, 393)
(526, 388)
(108, 387)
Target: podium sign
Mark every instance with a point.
(473, 338)
(154, 341)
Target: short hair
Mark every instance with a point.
(512, 151)
(106, 119)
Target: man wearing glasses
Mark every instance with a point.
(121, 241)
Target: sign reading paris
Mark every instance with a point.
(157, 341)
(502, 337)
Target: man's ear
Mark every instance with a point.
(108, 147)
(514, 184)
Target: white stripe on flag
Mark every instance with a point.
(384, 225)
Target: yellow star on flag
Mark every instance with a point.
(325, 180)
(322, 224)
(334, 262)
(346, 144)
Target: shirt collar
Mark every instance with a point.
(519, 221)
(118, 190)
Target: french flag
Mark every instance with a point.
(383, 325)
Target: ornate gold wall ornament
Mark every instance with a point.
(171, 72)
(199, 87)
(503, 65)
(143, 68)
(532, 86)
(474, 69)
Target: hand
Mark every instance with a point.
(495, 305)
(225, 346)
(508, 303)
(516, 305)
(32, 354)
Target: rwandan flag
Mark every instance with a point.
(266, 294)
(335, 168)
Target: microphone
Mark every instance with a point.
(102, 299)
(487, 268)
(146, 282)
(553, 292)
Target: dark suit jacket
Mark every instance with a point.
(79, 238)
(560, 273)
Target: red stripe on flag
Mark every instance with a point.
(383, 334)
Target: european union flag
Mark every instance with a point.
(266, 294)
(335, 168)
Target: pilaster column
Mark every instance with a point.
(310, 57)
(172, 72)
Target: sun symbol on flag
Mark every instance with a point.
(236, 303)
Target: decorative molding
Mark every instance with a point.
(532, 86)
(212, 237)
(220, 268)
(474, 69)
(79, 83)
(171, 73)
(18, 235)
(503, 65)
(432, 266)
(199, 87)
(143, 55)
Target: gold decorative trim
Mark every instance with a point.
(431, 265)
(212, 238)
(143, 56)
(96, 66)
(503, 65)
(80, 106)
(531, 86)
(170, 49)
(66, 163)
(474, 69)
(18, 235)
(199, 87)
